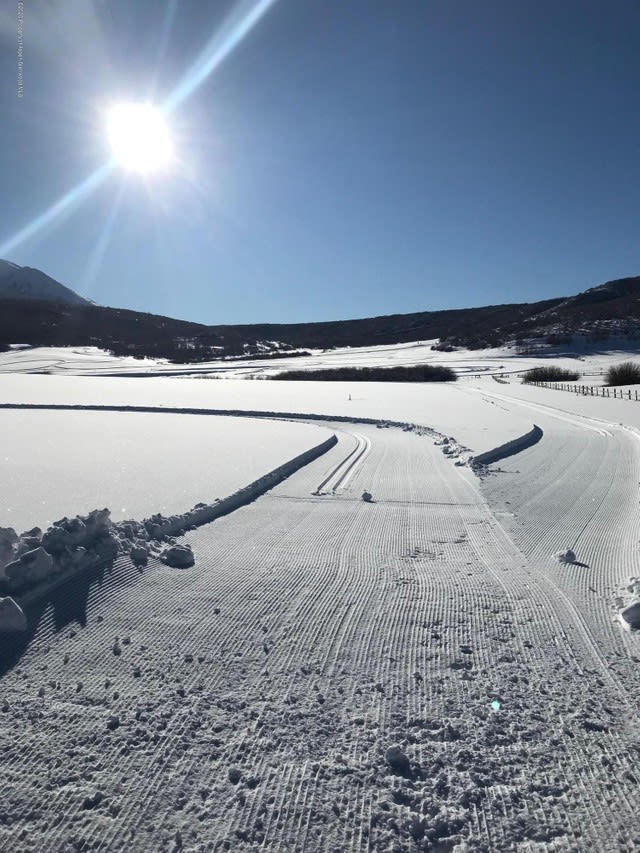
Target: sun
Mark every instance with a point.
(139, 137)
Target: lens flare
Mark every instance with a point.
(59, 210)
(234, 29)
(139, 137)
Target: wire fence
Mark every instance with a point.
(590, 390)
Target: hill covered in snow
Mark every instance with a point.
(18, 282)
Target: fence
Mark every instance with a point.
(589, 390)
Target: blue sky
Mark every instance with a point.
(347, 158)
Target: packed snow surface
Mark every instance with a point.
(476, 421)
(56, 463)
(414, 672)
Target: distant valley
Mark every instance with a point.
(37, 310)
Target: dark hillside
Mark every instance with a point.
(611, 308)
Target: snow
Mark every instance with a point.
(72, 548)
(566, 556)
(478, 423)
(30, 283)
(33, 559)
(411, 673)
(630, 616)
(29, 568)
(178, 556)
(93, 361)
(55, 464)
(12, 617)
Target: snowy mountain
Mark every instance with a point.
(27, 283)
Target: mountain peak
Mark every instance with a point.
(18, 282)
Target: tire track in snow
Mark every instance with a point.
(342, 473)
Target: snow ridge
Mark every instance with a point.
(510, 448)
(34, 562)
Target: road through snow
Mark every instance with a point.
(253, 701)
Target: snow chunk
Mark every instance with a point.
(69, 544)
(139, 553)
(8, 541)
(81, 530)
(565, 556)
(178, 556)
(630, 616)
(29, 569)
(634, 587)
(398, 761)
(12, 616)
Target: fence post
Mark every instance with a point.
(629, 393)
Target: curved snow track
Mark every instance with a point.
(254, 696)
(340, 475)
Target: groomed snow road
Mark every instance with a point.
(253, 702)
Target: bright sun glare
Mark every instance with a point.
(139, 137)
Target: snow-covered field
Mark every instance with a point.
(90, 361)
(478, 423)
(417, 672)
(57, 463)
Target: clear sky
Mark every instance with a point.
(344, 158)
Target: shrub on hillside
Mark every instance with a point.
(419, 373)
(626, 373)
(550, 373)
(556, 339)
